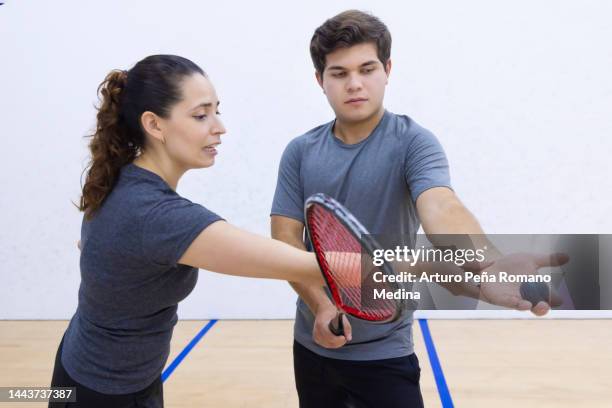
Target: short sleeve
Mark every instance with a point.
(289, 194)
(426, 165)
(170, 228)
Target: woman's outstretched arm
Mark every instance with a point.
(223, 248)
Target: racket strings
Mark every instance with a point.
(342, 267)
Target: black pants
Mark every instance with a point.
(330, 383)
(150, 397)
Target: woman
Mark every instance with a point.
(142, 243)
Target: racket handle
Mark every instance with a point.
(336, 325)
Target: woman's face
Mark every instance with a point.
(193, 130)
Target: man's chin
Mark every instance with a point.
(356, 116)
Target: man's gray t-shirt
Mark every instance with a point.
(118, 340)
(378, 180)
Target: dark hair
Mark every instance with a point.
(349, 28)
(153, 84)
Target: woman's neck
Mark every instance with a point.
(163, 168)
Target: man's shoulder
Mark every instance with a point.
(316, 133)
(406, 128)
(313, 136)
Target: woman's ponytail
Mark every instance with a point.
(111, 145)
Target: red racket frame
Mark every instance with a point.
(358, 231)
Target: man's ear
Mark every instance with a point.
(151, 124)
(319, 77)
(388, 69)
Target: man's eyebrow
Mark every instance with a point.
(340, 67)
(373, 62)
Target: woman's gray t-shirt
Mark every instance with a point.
(118, 340)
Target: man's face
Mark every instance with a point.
(354, 81)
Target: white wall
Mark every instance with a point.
(519, 93)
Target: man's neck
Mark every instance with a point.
(355, 132)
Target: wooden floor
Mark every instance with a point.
(487, 363)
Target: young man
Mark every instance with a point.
(393, 175)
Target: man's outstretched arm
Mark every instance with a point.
(441, 212)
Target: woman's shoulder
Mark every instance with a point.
(135, 193)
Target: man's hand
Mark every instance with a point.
(321, 333)
(508, 294)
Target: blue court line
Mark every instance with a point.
(186, 350)
(445, 397)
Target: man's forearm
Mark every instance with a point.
(452, 218)
(313, 296)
